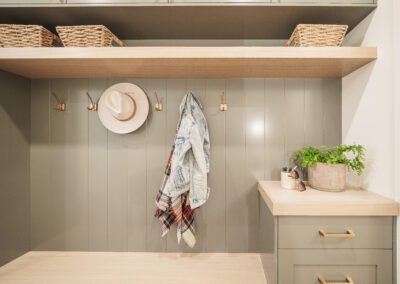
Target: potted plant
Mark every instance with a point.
(327, 166)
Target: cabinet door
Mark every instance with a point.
(29, 2)
(220, 1)
(329, 1)
(304, 232)
(298, 266)
(114, 1)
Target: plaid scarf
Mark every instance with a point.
(175, 210)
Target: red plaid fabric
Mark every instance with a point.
(175, 211)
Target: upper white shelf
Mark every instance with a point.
(185, 62)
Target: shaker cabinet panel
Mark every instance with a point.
(30, 2)
(335, 266)
(220, 1)
(114, 1)
(335, 232)
(329, 1)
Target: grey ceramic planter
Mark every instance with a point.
(327, 177)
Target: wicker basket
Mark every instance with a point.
(318, 35)
(26, 36)
(87, 36)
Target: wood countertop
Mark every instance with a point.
(351, 202)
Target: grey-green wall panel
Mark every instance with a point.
(274, 127)
(198, 87)
(42, 227)
(76, 166)
(236, 197)
(14, 166)
(118, 163)
(137, 169)
(107, 202)
(175, 90)
(313, 112)
(58, 149)
(156, 148)
(332, 105)
(255, 157)
(215, 206)
(294, 117)
(97, 170)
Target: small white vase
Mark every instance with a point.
(287, 181)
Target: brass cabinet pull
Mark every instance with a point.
(348, 234)
(323, 281)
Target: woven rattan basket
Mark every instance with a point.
(87, 36)
(26, 36)
(318, 35)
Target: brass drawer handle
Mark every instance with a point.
(323, 281)
(348, 234)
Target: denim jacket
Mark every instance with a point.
(190, 162)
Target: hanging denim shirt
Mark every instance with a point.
(190, 161)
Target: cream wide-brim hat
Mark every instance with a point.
(123, 108)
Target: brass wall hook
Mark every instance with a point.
(158, 106)
(92, 105)
(223, 106)
(60, 105)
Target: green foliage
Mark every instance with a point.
(351, 155)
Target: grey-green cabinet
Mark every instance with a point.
(305, 233)
(315, 266)
(327, 1)
(114, 1)
(29, 2)
(327, 249)
(220, 1)
(333, 249)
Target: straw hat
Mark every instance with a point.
(123, 108)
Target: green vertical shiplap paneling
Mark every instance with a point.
(294, 116)
(137, 183)
(176, 89)
(107, 201)
(42, 227)
(14, 166)
(156, 148)
(58, 162)
(313, 112)
(76, 144)
(237, 232)
(215, 206)
(118, 186)
(332, 102)
(198, 87)
(274, 131)
(255, 154)
(97, 170)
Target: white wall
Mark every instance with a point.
(397, 97)
(368, 100)
(371, 103)
(397, 119)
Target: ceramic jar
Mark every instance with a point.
(327, 177)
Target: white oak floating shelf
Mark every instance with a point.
(185, 62)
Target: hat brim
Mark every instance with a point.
(126, 126)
